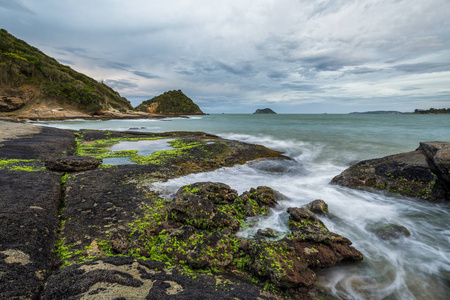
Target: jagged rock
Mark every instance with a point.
(420, 174)
(13, 99)
(72, 163)
(318, 206)
(389, 231)
(438, 154)
(264, 197)
(128, 278)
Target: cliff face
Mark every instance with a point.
(170, 103)
(33, 84)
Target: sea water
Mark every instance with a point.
(322, 146)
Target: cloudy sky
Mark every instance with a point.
(233, 56)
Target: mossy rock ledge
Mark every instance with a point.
(423, 173)
(107, 233)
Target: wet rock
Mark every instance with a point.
(28, 221)
(389, 231)
(260, 199)
(193, 206)
(305, 225)
(318, 206)
(415, 174)
(438, 154)
(128, 278)
(268, 232)
(215, 192)
(72, 163)
(46, 142)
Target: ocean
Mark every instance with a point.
(322, 146)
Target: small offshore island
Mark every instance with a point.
(75, 226)
(266, 111)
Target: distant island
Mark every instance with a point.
(170, 103)
(264, 111)
(432, 111)
(378, 112)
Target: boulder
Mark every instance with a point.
(318, 206)
(389, 231)
(72, 163)
(195, 205)
(420, 174)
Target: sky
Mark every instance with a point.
(234, 56)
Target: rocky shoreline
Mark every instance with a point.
(74, 227)
(71, 229)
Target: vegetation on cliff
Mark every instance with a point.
(170, 103)
(29, 76)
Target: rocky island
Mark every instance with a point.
(264, 111)
(170, 103)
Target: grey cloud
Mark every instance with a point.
(120, 84)
(117, 65)
(362, 70)
(15, 5)
(145, 75)
(302, 87)
(277, 74)
(423, 67)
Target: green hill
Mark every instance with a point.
(170, 103)
(31, 80)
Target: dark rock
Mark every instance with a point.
(264, 195)
(47, 142)
(389, 231)
(407, 174)
(193, 206)
(28, 221)
(438, 154)
(128, 278)
(318, 206)
(268, 232)
(72, 163)
(264, 111)
(216, 192)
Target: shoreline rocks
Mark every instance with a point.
(423, 173)
(107, 230)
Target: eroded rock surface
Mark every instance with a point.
(72, 163)
(128, 278)
(28, 220)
